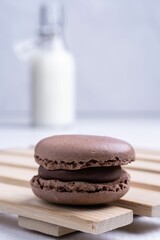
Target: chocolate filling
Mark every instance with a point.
(93, 175)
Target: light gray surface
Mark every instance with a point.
(117, 48)
(140, 133)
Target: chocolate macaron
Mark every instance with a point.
(81, 169)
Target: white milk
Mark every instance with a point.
(53, 85)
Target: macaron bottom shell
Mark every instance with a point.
(80, 193)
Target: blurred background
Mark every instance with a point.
(116, 45)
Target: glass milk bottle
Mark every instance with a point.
(52, 72)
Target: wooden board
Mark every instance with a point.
(143, 202)
(43, 227)
(18, 166)
(21, 201)
(16, 197)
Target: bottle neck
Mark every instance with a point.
(51, 19)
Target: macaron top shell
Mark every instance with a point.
(77, 148)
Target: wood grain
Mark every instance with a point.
(150, 166)
(143, 202)
(43, 227)
(148, 155)
(147, 180)
(18, 161)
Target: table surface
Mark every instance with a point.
(143, 133)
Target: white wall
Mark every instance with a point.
(116, 45)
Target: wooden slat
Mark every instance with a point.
(18, 161)
(14, 176)
(148, 155)
(18, 151)
(95, 219)
(153, 167)
(43, 227)
(142, 201)
(145, 180)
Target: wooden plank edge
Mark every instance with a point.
(143, 169)
(148, 157)
(145, 186)
(114, 223)
(155, 211)
(17, 165)
(43, 227)
(14, 181)
(139, 208)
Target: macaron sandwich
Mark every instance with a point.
(81, 169)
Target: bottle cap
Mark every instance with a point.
(51, 18)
